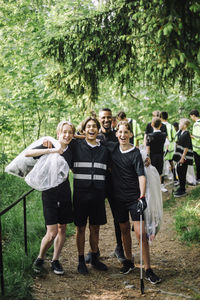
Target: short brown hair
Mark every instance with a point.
(90, 119)
(156, 122)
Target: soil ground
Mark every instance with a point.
(177, 264)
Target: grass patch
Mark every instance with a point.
(187, 218)
(170, 202)
(18, 274)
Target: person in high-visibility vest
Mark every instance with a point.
(137, 133)
(194, 115)
(171, 135)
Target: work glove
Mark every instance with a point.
(142, 204)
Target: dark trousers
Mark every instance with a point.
(182, 170)
(197, 163)
(116, 223)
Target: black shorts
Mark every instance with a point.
(122, 211)
(57, 205)
(89, 204)
(157, 162)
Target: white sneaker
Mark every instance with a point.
(163, 188)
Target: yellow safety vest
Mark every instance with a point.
(171, 134)
(196, 135)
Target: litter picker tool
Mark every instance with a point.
(141, 274)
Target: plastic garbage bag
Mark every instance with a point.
(154, 212)
(190, 176)
(167, 170)
(44, 173)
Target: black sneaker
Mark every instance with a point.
(82, 268)
(151, 276)
(179, 193)
(56, 267)
(128, 266)
(98, 264)
(38, 265)
(88, 257)
(119, 253)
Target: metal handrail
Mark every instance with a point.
(23, 197)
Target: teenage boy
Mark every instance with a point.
(194, 115)
(155, 145)
(90, 162)
(129, 185)
(57, 204)
(107, 134)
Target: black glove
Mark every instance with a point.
(142, 204)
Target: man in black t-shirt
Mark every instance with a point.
(107, 134)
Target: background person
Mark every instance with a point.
(137, 133)
(183, 155)
(194, 115)
(155, 147)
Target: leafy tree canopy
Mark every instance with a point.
(127, 41)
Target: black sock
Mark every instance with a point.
(81, 258)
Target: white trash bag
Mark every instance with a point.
(44, 173)
(167, 170)
(153, 214)
(190, 175)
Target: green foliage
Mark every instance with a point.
(17, 266)
(187, 219)
(129, 41)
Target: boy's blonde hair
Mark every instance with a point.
(125, 123)
(61, 124)
(185, 121)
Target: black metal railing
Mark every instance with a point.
(23, 197)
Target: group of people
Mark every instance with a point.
(106, 163)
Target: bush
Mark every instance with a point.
(187, 218)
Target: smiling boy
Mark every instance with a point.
(129, 186)
(89, 168)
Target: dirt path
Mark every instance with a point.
(175, 263)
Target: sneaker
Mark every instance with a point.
(163, 188)
(56, 267)
(152, 277)
(38, 265)
(98, 264)
(119, 253)
(88, 257)
(179, 193)
(82, 268)
(128, 266)
(176, 183)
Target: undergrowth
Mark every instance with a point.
(187, 218)
(18, 274)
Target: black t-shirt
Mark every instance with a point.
(107, 137)
(125, 169)
(149, 128)
(184, 139)
(156, 142)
